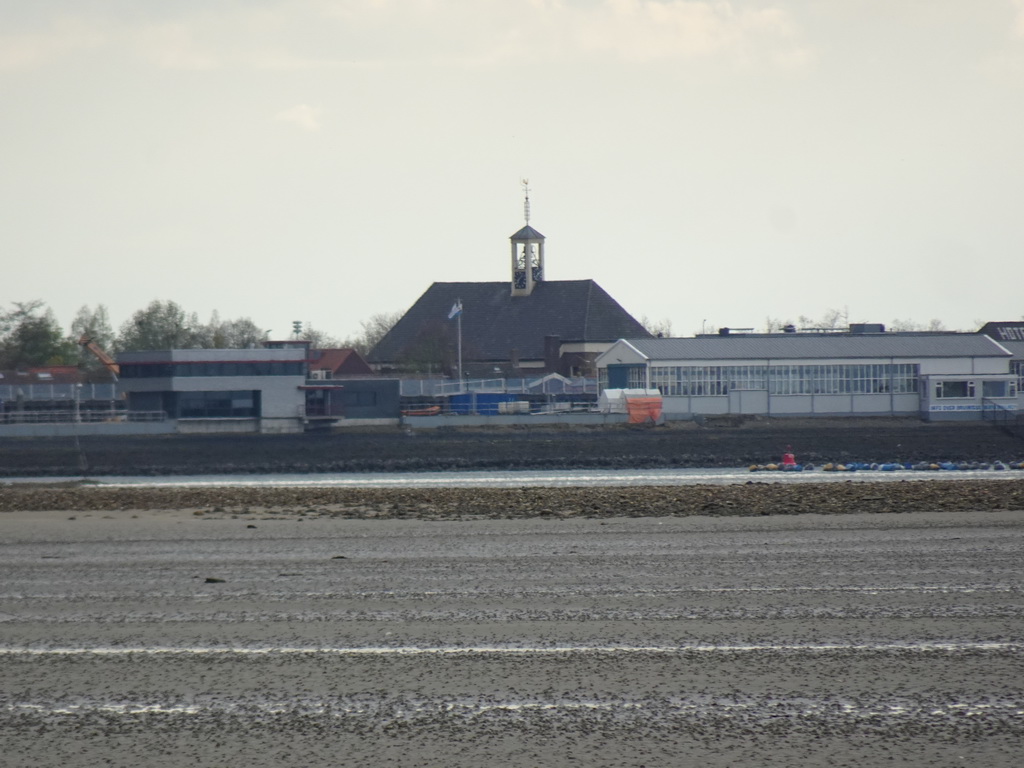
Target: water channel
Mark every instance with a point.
(529, 478)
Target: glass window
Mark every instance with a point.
(954, 389)
(904, 378)
(995, 389)
(363, 399)
(637, 378)
(747, 377)
(218, 405)
(665, 378)
(789, 380)
(212, 368)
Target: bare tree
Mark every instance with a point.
(910, 325)
(660, 328)
(230, 334)
(319, 339)
(373, 330)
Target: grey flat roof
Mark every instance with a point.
(291, 354)
(819, 346)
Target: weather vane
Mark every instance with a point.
(526, 202)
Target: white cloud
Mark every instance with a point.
(302, 115)
(312, 34)
(1018, 23)
(647, 30)
(64, 37)
(1007, 61)
(172, 46)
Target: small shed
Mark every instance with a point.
(642, 405)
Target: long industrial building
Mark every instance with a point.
(862, 372)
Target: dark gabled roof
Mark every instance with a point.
(494, 322)
(527, 233)
(794, 346)
(1004, 331)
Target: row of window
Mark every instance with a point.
(967, 389)
(238, 404)
(1017, 368)
(703, 380)
(247, 368)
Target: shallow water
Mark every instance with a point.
(528, 478)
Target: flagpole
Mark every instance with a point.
(459, 320)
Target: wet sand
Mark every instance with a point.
(163, 637)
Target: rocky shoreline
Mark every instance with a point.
(750, 499)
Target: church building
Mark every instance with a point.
(520, 327)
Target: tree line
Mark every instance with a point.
(31, 336)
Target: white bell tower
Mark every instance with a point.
(527, 253)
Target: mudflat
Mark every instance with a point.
(924, 492)
(287, 634)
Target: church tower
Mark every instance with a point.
(527, 253)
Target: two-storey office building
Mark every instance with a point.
(206, 390)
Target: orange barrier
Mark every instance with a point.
(643, 409)
(431, 410)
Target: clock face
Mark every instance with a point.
(538, 274)
(519, 278)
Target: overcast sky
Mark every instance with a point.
(708, 163)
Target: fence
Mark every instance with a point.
(546, 385)
(10, 393)
(469, 406)
(82, 416)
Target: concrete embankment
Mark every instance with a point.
(721, 444)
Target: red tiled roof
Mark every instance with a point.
(339, 362)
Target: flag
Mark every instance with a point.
(456, 309)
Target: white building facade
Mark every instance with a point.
(219, 390)
(935, 376)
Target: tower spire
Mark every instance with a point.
(527, 252)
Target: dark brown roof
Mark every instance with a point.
(340, 362)
(494, 322)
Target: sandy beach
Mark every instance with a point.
(303, 633)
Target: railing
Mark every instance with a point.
(145, 416)
(415, 408)
(81, 417)
(446, 388)
(997, 413)
(70, 392)
(1003, 416)
(537, 386)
